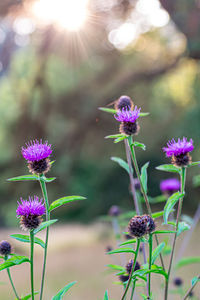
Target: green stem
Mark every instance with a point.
(11, 281)
(44, 192)
(130, 141)
(31, 259)
(133, 289)
(180, 204)
(132, 270)
(150, 262)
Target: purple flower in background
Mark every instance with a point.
(30, 212)
(37, 154)
(114, 211)
(36, 150)
(169, 186)
(129, 116)
(179, 151)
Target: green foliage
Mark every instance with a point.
(122, 163)
(106, 296)
(139, 145)
(182, 226)
(169, 168)
(26, 239)
(27, 297)
(62, 292)
(14, 260)
(187, 261)
(144, 176)
(44, 225)
(156, 252)
(122, 250)
(171, 202)
(64, 200)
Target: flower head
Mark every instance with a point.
(137, 226)
(129, 116)
(30, 212)
(36, 150)
(114, 211)
(170, 185)
(5, 248)
(124, 102)
(177, 148)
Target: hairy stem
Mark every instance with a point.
(130, 141)
(183, 176)
(132, 270)
(44, 192)
(31, 259)
(11, 281)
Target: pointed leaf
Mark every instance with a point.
(131, 241)
(24, 178)
(44, 225)
(157, 214)
(140, 145)
(28, 296)
(119, 139)
(14, 261)
(187, 261)
(171, 202)
(196, 163)
(108, 110)
(121, 250)
(122, 163)
(26, 239)
(195, 280)
(116, 267)
(182, 226)
(157, 252)
(62, 292)
(49, 179)
(144, 176)
(106, 296)
(115, 136)
(169, 168)
(64, 200)
(144, 114)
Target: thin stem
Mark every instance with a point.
(142, 189)
(44, 192)
(191, 289)
(150, 262)
(183, 177)
(132, 270)
(31, 259)
(11, 281)
(132, 292)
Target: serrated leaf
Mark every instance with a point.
(14, 261)
(171, 202)
(44, 225)
(116, 267)
(122, 163)
(182, 226)
(121, 250)
(169, 168)
(108, 110)
(64, 200)
(156, 252)
(139, 145)
(24, 178)
(106, 296)
(131, 241)
(144, 176)
(62, 292)
(187, 261)
(26, 239)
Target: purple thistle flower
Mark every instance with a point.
(178, 148)
(33, 207)
(170, 185)
(36, 150)
(129, 116)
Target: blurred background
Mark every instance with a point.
(61, 60)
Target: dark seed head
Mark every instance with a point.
(137, 183)
(109, 248)
(114, 211)
(178, 281)
(181, 160)
(5, 248)
(129, 128)
(149, 223)
(30, 222)
(124, 102)
(39, 167)
(130, 264)
(137, 226)
(123, 278)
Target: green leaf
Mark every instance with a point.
(119, 139)
(157, 252)
(187, 261)
(163, 231)
(64, 200)
(121, 250)
(169, 168)
(44, 225)
(195, 280)
(196, 180)
(182, 226)
(122, 163)
(116, 267)
(196, 163)
(115, 136)
(106, 296)
(26, 239)
(14, 261)
(24, 178)
(144, 176)
(108, 110)
(28, 296)
(171, 202)
(49, 179)
(157, 214)
(158, 199)
(140, 145)
(157, 271)
(62, 292)
(144, 114)
(131, 241)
